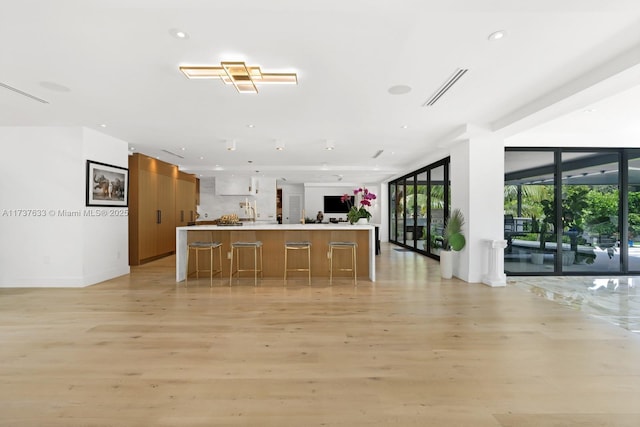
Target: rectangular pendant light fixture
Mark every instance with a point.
(240, 77)
(238, 74)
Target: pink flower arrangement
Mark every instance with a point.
(355, 212)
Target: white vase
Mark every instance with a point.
(537, 258)
(568, 258)
(446, 264)
(362, 221)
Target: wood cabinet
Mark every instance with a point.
(197, 193)
(186, 199)
(159, 197)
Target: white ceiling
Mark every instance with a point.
(115, 62)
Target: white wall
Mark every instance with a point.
(477, 182)
(106, 238)
(46, 239)
(289, 190)
(213, 206)
(383, 209)
(314, 199)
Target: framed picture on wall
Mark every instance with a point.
(107, 185)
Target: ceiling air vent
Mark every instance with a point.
(173, 154)
(28, 95)
(445, 87)
(375, 156)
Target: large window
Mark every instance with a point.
(438, 208)
(393, 212)
(419, 205)
(590, 212)
(411, 206)
(529, 195)
(633, 211)
(571, 211)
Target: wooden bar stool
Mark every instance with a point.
(205, 246)
(236, 247)
(297, 246)
(342, 246)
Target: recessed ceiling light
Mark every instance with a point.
(279, 145)
(399, 89)
(590, 110)
(178, 34)
(404, 126)
(250, 126)
(329, 145)
(497, 35)
(231, 145)
(132, 148)
(201, 157)
(183, 149)
(102, 125)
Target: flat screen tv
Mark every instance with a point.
(333, 204)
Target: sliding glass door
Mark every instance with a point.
(437, 207)
(393, 211)
(410, 211)
(590, 212)
(422, 200)
(633, 211)
(529, 216)
(572, 211)
(418, 208)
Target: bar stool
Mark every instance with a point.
(205, 246)
(339, 246)
(235, 252)
(296, 246)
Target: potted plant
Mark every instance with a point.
(453, 240)
(539, 226)
(537, 255)
(423, 237)
(359, 214)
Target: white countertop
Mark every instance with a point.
(258, 226)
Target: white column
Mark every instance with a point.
(181, 253)
(495, 276)
(477, 188)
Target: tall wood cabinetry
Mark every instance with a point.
(186, 199)
(154, 197)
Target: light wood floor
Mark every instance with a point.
(409, 350)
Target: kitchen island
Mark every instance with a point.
(273, 237)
